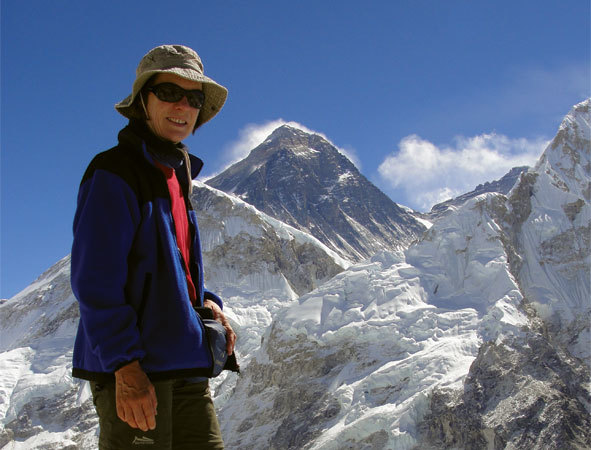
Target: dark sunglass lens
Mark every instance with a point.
(195, 98)
(170, 92)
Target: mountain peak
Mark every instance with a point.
(569, 153)
(302, 179)
(575, 129)
(290, 137)
(286, 130)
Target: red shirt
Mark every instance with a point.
(181, 223)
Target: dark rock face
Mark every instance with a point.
(303, 180)
(527, 394)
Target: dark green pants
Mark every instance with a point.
(186, 419)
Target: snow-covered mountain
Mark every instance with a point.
(476, 336)
(303, 180)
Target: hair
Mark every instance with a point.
(136, 110)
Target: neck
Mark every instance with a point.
(167, 152)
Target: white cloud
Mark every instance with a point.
(252, 135)
(249, 137)
(428, 174)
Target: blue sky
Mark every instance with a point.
(430, 98)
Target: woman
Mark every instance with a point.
(137, 270)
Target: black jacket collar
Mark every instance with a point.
(166, 152)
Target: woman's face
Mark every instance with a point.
(172, 121)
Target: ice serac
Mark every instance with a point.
(351, 365)
(304, 181)
(477, 336)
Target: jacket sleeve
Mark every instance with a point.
(106, 218)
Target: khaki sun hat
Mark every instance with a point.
(181, 61)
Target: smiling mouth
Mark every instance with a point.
(177, 121)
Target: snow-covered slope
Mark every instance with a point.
(475, 337)
(258, 265)
(296, 261)
(41, 406)
(555, 238)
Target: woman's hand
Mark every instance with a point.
(135, 397)
(221, 318)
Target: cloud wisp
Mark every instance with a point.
(252, 135)
(428, 174)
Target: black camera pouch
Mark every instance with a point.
(216, 341)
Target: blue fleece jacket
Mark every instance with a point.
(127, 272)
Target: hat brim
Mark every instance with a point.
(215, 94)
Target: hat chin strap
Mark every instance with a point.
(144, 106)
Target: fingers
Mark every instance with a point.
(230, 338)
(120, 410)
(146, 416)
(220, 317)
(149, 409)
(140, 413)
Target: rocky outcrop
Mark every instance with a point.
(521, 394)
(502, 186)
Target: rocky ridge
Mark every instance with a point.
(502, 186)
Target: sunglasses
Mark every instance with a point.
(171, 93)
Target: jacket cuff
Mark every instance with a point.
(123, 364)
(208, 295)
